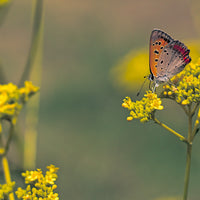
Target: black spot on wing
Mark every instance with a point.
(156, 52)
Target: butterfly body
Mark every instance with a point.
(167, 57)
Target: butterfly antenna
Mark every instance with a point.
(142, 86)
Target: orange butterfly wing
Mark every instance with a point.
(158, 41)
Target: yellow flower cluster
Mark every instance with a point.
(144, 108)
(39, 186)
(12, 98)
(6, 189)
(186, 85)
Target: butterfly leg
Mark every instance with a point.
(153, 89)
(171, 83)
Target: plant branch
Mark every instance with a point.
(184, 108)
(7, 174)
(182, 138)
(189, 153)
(194, 131)
(194, 109)
(10, 135)
(37, 29)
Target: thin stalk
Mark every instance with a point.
(189, 153)
(187, 171)
(184, 108)
(10, 135)
(36, 38)
(7, 175)
(182, 138)
(196, 125)
(30, 136)
(194, 109)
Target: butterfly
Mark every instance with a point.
(167, 57)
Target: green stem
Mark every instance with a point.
(187, 171)
(5, 164)
(36, 37)
(10, 135)
(189, 153)
(30, 135)
(170, 130)
(196, 125)
(7, 176)
(184, 108)
(194, 109)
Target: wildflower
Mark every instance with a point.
(40, 186)
(143, 109)
(28, 90)
(12, 99)
(52, 168)
(6, 189)
(31, 176)
(186, 85)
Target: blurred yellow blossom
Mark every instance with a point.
(130, 71)
(40, 186)
(6, 189)
(4, 2)
(144, 108)
(28, 90)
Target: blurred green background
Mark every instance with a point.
(82, 126)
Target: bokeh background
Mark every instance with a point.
(82, 126)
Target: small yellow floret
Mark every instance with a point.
(129, 118)
(124, 105)
(185, 102)
(169, 93)
(196, 122)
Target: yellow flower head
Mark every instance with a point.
(40, 186)
(144, 108)
(186, 85)
(13, 98)
(6, 189)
